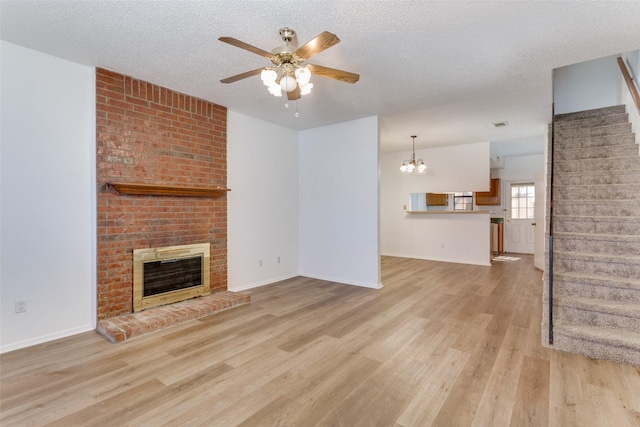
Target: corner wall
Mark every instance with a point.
(587, 85)
(47, 197)
(263, 202)
(339, 214)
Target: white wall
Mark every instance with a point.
(48, 213)
(462, 238)
(455, 168)
(339, 218)
(262, 162)
(587, 85)
(632, 59)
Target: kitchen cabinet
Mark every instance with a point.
(491, 197)
(435, 199)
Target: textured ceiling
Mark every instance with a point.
(444, 71)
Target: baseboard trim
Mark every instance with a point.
(46, 338)
(455, 261)
(258, 284)
(345, 282)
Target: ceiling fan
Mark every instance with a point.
(289, 72)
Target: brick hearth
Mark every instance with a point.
(127, 326)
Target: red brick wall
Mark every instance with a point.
(153, 135)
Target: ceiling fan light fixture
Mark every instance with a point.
(288, 72)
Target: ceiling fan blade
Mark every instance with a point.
(324, 41)
(246, 46)
(241, 76)
(294, 94)
(332, 73)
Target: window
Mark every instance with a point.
(522, 201)
(463, 201)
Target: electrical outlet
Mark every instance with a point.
(21, 306)
(259, 263)
(443, 246)
(278, 260)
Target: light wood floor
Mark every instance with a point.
(441, 344)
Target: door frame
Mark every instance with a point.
(507, 218)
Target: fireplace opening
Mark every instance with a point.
(170, 274)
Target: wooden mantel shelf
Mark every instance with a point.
(166, 190)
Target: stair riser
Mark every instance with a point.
(605, 269)
(610, 247)
(597, 350)
(592, 131)
(562, 288)
(597, 192)
(592, 122)
(593, 178)
(615, 226)
(593, 142)
(597, 152)
(596, 208)
(597, 112)
(596, 318)
(629, 164)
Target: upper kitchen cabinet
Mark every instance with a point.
(491, 197)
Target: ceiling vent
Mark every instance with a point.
(501, 124)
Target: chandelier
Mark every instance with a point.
(412, 165)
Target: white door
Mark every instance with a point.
(538, 214)
(519, 229)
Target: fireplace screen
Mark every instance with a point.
(170, 274)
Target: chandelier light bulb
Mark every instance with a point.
(422, 167)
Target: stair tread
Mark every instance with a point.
(608, 146)
(628, 184)
(597, 255)
(620, 308)
(595, 236)
(620, 336)
(596, 217)
(618, 281)
(594, 112)
(599, 126)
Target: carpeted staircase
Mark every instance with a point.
(596, 237)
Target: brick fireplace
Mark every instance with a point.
(147, 134)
